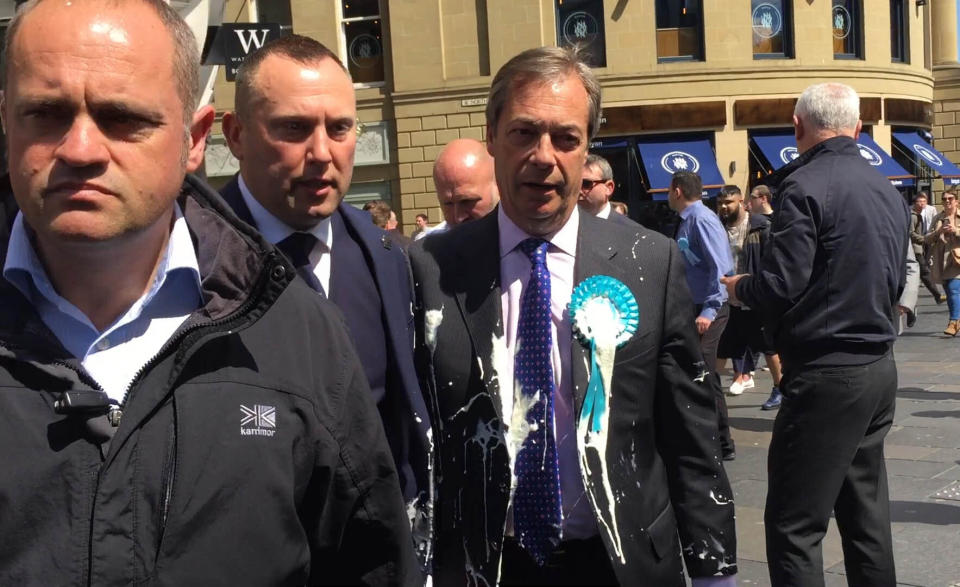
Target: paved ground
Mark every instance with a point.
(923, 463)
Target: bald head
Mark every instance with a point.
(463, 176)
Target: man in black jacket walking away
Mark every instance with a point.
(828, 287)
(176, 408)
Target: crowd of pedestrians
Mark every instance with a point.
(267, 386)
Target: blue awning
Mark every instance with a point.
(662, 159)
(884, 163)
(930, 157)
(779, 149)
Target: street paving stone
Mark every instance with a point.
(923, 457)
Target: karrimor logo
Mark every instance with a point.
(258, 420)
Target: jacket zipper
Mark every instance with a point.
(170, 466)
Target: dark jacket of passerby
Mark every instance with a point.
(248, 450)
(753, 245)
(831, 278)
(916, 232)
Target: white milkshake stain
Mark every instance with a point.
(432, 320)
(719, 499)
(604, 327)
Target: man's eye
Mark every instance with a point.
(341, 130)
(124, 125)
(46, 115)
(566, 142)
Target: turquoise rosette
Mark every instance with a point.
(604, 315)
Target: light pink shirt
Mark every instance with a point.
(578, 520)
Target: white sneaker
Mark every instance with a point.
(737, 387)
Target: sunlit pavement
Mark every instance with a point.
(923, 463)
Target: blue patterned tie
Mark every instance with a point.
(536, 500)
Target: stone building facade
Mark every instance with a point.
(721, 72)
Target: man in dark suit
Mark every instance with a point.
(294, 133)
(525, 494)
(596, 189)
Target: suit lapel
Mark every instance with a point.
(478, 296)
(231, 194)
(595, 250)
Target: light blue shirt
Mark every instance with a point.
(114, 356)
(705, 249)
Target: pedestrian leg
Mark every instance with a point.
(822, 421)
(863, 508)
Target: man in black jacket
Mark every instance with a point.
(828, 287)
(743, 339)
(175, 408)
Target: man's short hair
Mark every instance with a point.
(690, 184)
(950, 189)
(829, 106)
(186, 55)
(730, 190)
(298, 48)
(594, 160)
(920, 195)
(379, 211)
(543, 65)
(762, 190)
(424, 216)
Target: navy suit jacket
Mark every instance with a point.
(391, 273)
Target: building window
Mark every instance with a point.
(276, 11)
(772, 28)
(899, 32)
(679, 30)
(580, 24)
(363, 40)
(847, 29)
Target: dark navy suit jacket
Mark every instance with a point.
(407, 428)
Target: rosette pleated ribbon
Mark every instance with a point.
(604, 315)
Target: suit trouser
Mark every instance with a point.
(709, 342)
(826, 455)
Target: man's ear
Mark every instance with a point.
(798, 130)
(856, 132)
(233, 132)
(199, 130)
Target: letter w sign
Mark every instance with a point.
(241, 39)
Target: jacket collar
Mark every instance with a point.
(838, 144)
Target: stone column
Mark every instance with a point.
(944, 30)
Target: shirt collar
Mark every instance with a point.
(23, 267)
(690, 209)
(275, 230)
(605, 211)
(564, 239)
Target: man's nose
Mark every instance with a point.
(83, 144)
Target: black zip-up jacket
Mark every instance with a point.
(758, 234)
(829, 281)
(248, 451)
